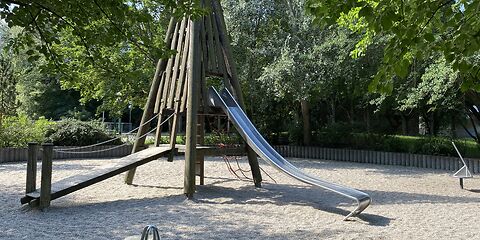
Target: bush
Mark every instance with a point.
(18, 131)
(221, 138)
(210, 139)
(72, 132)
(339, 138)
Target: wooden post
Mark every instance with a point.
(252, 156)
(193, 94)
(178, 93)
(147, 115)
(46, 184)
(149, 107)
(31, 184)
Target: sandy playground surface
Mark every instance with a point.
(408, 203)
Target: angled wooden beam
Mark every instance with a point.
(149, 105)
(252, 156)
(178, 93)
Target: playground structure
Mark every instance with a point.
(179, 88)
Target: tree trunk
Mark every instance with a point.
(422, 129)
(367, 119)
(413, 129)
(333, 110)
(404, 124)
(453, 129)
(307, 132)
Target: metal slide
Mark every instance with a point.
(255, 140)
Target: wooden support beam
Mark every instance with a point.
(147, 115)
(46, 184)
(179, 91)
(192, 108)
(176, 67)
(219, 50)
(212, 56)
(204, 55)
(168, 70)
(149, 106)
(168, 42)
(212, 65)
(159, 93)
(252, 156)
(31, 183)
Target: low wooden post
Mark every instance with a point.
(31, 183)
(46, 184)
(193, 97)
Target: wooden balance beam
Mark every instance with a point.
(41, 197)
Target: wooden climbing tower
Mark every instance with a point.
(179, 86)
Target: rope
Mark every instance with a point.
(232, 171)
(108, 149)
(113, 139)
(228, 164)
(267, 174)
(103, 150)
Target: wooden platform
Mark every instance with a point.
(74, 183)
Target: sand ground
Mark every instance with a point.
(408, 203)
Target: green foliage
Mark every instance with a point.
(72, 132)
(18, 131)
(283, 59)
(341, 137)
(210, 139)
(38, 93)
(106, 50)
(222, 138)
(166, 139)
(415, 29)
(8, 84)
(438, 89)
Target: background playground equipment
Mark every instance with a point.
(180, 88)
(463, 172)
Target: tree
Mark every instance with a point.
(281, 54)
(253, 26)
(415, 30)
(271, 43)
(106, 50)
(39, 94)
(8, 91)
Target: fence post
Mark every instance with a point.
(46, 184)
(31, 183)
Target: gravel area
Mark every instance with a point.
(408, 203)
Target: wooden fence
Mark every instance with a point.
(375, 157)
(20, 154)
(350, 155)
